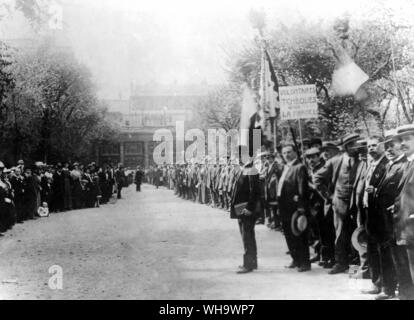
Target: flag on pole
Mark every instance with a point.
(273, 86)
(248, 113)
(251, 120)
(269, 96)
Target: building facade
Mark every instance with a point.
(150, 108)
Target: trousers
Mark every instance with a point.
(246, 226)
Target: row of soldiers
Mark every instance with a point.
(357, 196)
(27, 192)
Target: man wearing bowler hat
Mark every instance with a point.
(404, 204)
(335, 181)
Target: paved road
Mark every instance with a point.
(153, 245)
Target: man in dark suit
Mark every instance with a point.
(404, 210)
(323, 223)
(246, 190)
(375, 173)
(138, 178)
(293, 194)
(393, 270)
(335, 181)
(273, 173)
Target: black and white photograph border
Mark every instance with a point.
(221, 150)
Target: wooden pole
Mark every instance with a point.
(301, 138)
(275, 133)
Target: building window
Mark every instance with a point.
(110, 149)
(134, 148)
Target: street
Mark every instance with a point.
(153, 245)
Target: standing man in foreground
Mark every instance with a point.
(404, 214)
(375, 173)
(393, 261)
(335, 182)
(246, 194)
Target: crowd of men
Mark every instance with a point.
(348, 203)
(27, 192)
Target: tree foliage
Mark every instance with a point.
(220, 109)
(302, 53)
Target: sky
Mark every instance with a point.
(127, 42)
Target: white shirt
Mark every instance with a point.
(282, 178)
(372, 166)
(396, 160)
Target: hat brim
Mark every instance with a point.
(402, 134)
(356, 239)
(350, 141)
(298, 219)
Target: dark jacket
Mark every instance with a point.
(272, 176)
(316, 202)
(371, 225)
(246, 189)
(295, 190)
(138, 176)
(385, 195)
(404, 208)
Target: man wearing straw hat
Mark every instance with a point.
(393, 270)
(404, 205)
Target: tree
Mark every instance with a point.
(220, 109)
(52, 113)
(302, 54)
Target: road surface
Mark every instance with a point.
(153, 245)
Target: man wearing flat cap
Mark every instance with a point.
(335, 182)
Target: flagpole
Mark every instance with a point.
(258, 21)
(301, 138)
(274, 133)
